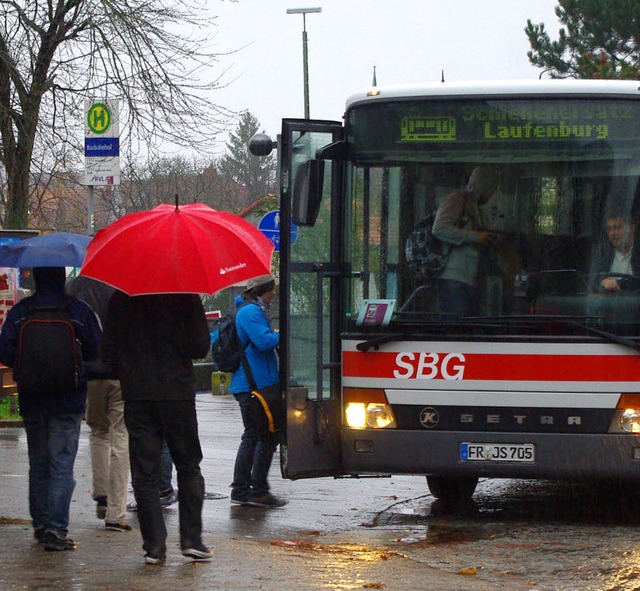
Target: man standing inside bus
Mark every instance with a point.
(460, 223)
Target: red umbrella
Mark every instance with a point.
(177, 249)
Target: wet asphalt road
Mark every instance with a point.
(335, 534)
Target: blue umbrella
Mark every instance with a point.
(57, 249)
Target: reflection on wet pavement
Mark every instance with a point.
(337, 565)
(546, 536)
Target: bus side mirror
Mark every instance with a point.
(261, 144)
(307, 192)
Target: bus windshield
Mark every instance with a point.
(553, 247)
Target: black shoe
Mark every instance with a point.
(101, 507)
(266, 500)
(54, 543)
(132, 506)
(151, 559)
(39, 535)
(239, 499)
(117, 526)
(200, 552)
(168, 498)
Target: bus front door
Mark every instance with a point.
(309, 305)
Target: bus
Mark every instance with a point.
(542, 381)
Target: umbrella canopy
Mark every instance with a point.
(57, 249)
(177, 249)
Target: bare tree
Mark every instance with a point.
(153, 180)
(152, 55)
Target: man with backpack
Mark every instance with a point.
(460, 223)
(256, 375)
(45, 339)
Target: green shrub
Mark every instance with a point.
(9, 408)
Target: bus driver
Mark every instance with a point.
(619, 255)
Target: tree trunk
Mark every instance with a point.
(18, 194)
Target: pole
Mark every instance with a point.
(305, 52)
(90, 209)
(305, 66)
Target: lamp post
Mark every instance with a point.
(305, 52)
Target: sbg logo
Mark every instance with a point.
(429, 366)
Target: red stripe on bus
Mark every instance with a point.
(484, 366)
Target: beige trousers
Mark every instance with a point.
(109, 445)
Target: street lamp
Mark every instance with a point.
(305, 52)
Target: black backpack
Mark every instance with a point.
(425, 254)
(227, 350)
(49, 355)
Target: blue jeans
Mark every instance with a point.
(166, 470)
(456, 298)
(255, 453)
(52, 440)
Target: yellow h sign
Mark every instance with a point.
(99, 118)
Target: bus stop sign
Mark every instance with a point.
(269, 225)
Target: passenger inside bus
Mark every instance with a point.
(461, 223)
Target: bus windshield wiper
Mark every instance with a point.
(573, 321)
(375, 342)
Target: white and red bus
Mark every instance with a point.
(543, 381)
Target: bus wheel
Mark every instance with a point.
(452, 488)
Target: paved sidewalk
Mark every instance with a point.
(253, 548)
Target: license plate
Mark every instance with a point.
(497, 452)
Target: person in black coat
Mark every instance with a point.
(149, 343)
(51, 420)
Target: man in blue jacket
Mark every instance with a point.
(258, 444)
(52, 423)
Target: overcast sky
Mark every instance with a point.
(407, 40)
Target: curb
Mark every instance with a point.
(11, 423)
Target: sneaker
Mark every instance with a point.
(101, 507)
(168, 498)
(117, 526)
(132, 506)
(266, 500)
(239, 499)
(151, 559)
(39, 535)
(200, 552)
(54, 543)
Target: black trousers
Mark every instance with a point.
(148, 423)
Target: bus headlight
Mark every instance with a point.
(626, 418)
(630, 420)
(380, 416)
(367, 408)
(359, 415)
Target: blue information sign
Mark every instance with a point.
(101, 147)
(269, 225)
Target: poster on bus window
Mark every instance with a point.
(375, 312)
